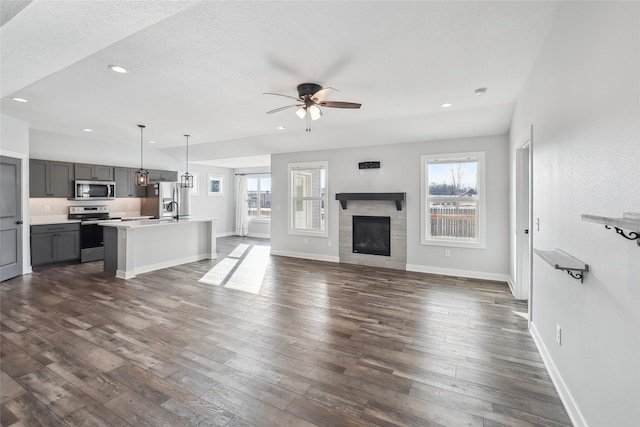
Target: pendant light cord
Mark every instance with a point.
(141, 143)
(187, 153)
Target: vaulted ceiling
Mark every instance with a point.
(201, 67)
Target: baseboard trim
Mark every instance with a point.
(565, 395)
(314, 257)
(260, 235)
(225, 234)
(512, 286)
(458, 273)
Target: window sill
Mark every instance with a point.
(453, 244)
(309, 233)
(261, 221)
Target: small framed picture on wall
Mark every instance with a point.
(215, 185)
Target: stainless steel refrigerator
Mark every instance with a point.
(160, 196)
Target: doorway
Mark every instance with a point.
(11, 227)
(523, 229)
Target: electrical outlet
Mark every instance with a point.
(447, 252)
(329, 243)
(47, 208)
(558, 334)
(306, 241)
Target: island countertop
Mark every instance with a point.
(154, 222)
(136, 247)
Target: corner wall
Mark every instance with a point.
(583, 99)
(400, 172)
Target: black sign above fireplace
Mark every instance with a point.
(372, 235)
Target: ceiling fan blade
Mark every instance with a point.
(284, 108)
(339, 104)
(279, 94)
(322, 94)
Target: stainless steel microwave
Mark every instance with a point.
(95, 190)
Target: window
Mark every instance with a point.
(308, 198)
(259, 197)
(453, 200)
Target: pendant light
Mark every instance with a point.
(186, 180)
(142, 175)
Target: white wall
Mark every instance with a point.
(65, 148)
(583, 99)
(14, 142)
(401, 173)
(222, 206)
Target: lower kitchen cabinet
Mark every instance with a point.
(54, 243)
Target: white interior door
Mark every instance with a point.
(524, 232)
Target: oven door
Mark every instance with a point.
(91, 242)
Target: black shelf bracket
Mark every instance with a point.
(575, 275)
(632, 234)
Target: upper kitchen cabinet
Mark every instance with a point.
(162, 176)
(94, 172)
(126, 183)
(50, 179)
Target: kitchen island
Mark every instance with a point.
(136, 247)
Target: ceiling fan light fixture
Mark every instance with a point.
(315, 112)
(301, 112)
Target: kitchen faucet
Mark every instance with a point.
(177, 216)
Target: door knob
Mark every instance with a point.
(18, 222)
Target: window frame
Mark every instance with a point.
(291, 167)
(259, 177)
(480, 199)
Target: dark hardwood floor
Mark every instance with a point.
(322, 344)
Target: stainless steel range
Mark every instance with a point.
(91, 240)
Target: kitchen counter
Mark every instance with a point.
(48, 220)
(136, 247)
(63, 219)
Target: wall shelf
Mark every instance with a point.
(629, 221)
(398, 198)
(561, 260)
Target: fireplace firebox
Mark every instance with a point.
(372, 235)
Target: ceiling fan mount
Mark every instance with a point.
(305, 89)
(311, 96)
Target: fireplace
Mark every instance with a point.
(372, 235)
(369, 210)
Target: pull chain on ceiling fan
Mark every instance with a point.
(311, 97)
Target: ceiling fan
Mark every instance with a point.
(311, 97)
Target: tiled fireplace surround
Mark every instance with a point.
(398, 229)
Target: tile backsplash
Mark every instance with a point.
(57, 206)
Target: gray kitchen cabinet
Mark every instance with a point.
(126, 183)
(156, 175)
(50, 179)
(54, 243)
(93, 172)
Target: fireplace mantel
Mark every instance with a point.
(398, 198)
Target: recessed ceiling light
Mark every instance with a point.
(87, 130)
(152, 142)
(281, 128)
(481, 91)
(118, 69)
(15, 98)
(446, 105)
